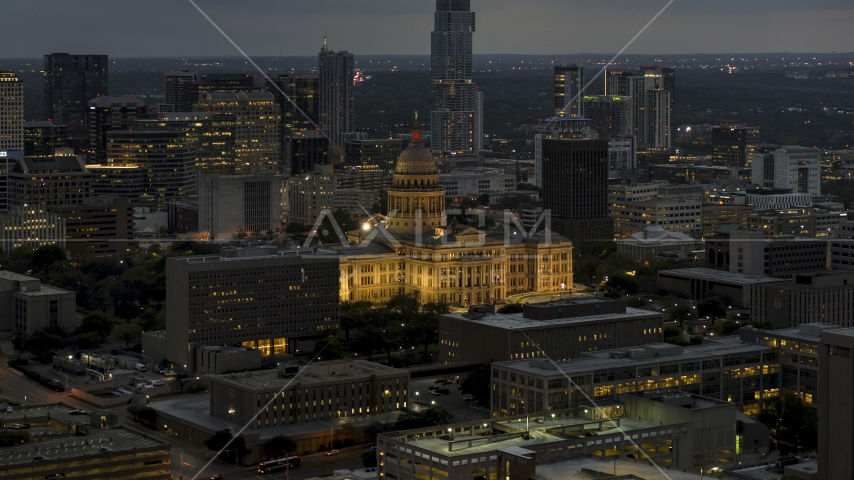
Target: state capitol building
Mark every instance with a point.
(412, 250)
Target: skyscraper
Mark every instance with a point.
(575, 185)
(41, 138)
(337, 116)
(569, 80)
(734, 145)
(304, 94)
(11, 112)
(454, 115)
(181, 90)
(610, 115)
(107, 114)
(70, 81)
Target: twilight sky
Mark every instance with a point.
(171, 28)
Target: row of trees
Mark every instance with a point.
(94, 330)
(402, 323)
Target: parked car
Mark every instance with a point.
(468, 397)
(156, 383)
(9, 409)
(435, 392)
(169, 373)
(221, 476)
(39, 458)
(17, 426)
(77, 411)
(139, 378)
(105, 450)
(332, 452)
(141, 367)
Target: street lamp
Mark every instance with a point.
(231, 413)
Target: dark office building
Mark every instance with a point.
(610, 115)
(733, 145)
(373, 155)
(575, 188)
(107, 114)
(304, 152)
(304, 92)
(227, 83)
(214, 135)
(105, 224)
(70, 81)
(41, 138)
(181, 90)
(568, 80)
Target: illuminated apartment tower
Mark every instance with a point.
(11, 112)
(337, 73)
(454, 117)
(569, 80)
(70, 81)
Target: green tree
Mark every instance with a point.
(369, 459)
(20, 339)
(330, 348)
(511, 308)
(711, 307)
(679, 314)
(477, 382)
(89, 340)
(353, 315)
(403, 305)
(792, 422)
(46, 256)
(279, 446)
(144, 415)
(96, 322)
(424, 330)
(128, 332)
(410, 419)
(42, 342)
(219, 440)
(12, 438)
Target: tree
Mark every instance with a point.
(368, 342)
(477, 383)
(679, 314)
(219, 440)
(97, 322)
(511, 308)
(404, 305)
(410, 419)
(183, 379)
(236, 450)
(353, 315)
(711, 307)
(791, 420)
(369, 459)
(279, 446)
(46, 256)
(330, 348)
(42, 342)
(89, 340)
(20, 338)
(144, 415)
(128, 332)
(294, 228)
(424, 330)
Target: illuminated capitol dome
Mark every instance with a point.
(416, 202)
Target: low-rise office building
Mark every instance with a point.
(566, 329)
(779, 256)
(49, 181)
(835, 412)
(802, 222)
(31, 226)
(807, 298)
(461, 182)
(727, 369)
(30, 306)
(246, 204)
(322, 391)
(183, 215)
(700, 283)
(672, 429)
(652, 241)
(715, 217)
(118, 181)
(672, 215)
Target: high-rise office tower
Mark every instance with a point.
(478, 123)
(213, 134)
(569, 80)
(651, 115)
(11, 112)
(610, 115)
(70, 81)
(107, 114)
(616, 83)
(227, 82)
(337, 74)
(182, 90)
(165, 157)
(575, 184)
(454, 95)
(734, 145)
(41, 138)
(794, 168)
(257, 146)
(304, 94)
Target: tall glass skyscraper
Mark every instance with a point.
(337, 116)
(70, 81)
(454, 118)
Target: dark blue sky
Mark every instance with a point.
(157, 28)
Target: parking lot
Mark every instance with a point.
(453, 402)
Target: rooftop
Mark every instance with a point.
(319, 372)
(118, 439)
(516, 321)
(571, 470)
(720, 275)
(196, 410)
(602, 360)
